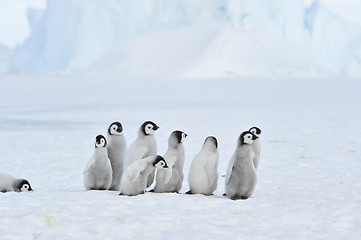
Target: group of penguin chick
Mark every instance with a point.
(132, 171)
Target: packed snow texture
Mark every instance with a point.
(308, 178)
(204, 38)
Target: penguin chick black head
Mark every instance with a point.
(247, 138)
(100, 141)
(159, 162)
(23, 185)
(255, 130)
(211, 142)
(149, 127)
(177, 137)
(115, 128)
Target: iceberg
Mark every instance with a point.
(187, 38)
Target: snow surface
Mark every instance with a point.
(308, 180)
(230, 37)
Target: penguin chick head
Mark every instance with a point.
(100, 141)
(210, 143)
(24, 186)
(247, 138)
(255, 130)
(160, 162)
(116, 129)
(148, 128)
(177, 137)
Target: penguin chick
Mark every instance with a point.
(116, 148)
(98, 171)
(134, 179)
(10, 184)
(203, 174)
(171, 179)
(144, 146)
(256, 146)
(241, 175)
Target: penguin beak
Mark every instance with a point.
(166, 166)
(155, 128)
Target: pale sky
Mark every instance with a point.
(14, 27)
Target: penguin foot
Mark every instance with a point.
(151, 190)
(239, 197)
(189, 192)
(224, 194)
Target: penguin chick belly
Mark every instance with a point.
(244, 179)
(102, 175)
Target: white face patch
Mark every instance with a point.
(248, 138)
(183, 137)
(25, 188)
(148, 129)
(113, 130)
(101, 144)
(160, 164)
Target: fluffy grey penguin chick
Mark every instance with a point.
(241, 175)
(256, 146)
(134, 179)
(98, 171)
(144, 146)
(203, 174)
(171, 179)
(116, 148)
(10, 184)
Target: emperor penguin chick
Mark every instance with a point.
(98, 171)
(134, 179)
(241, 175)
(171, 179)
(10, 184)
(256, 146)
(203, 174)
(116, 148)
(144, 146)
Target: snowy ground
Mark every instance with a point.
(308, 182)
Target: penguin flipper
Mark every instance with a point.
(88, 165)
(170, 161)
(229, 170)
(138, 167)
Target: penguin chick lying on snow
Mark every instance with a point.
(10, 184)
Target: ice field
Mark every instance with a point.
(308, 180)
(205, 67)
